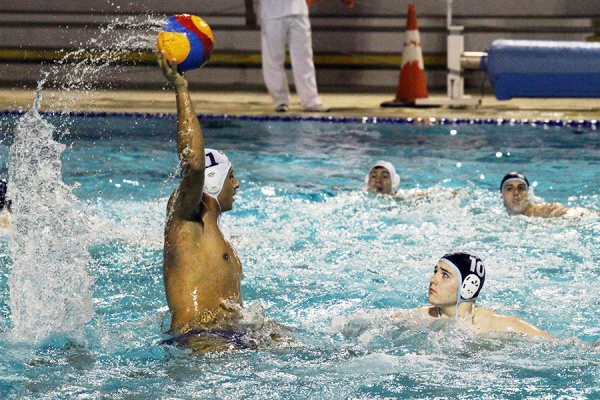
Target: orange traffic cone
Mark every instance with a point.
(411, 83)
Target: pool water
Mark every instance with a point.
(322, 257)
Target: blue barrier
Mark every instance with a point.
(537, 68)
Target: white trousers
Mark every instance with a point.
(293, 31)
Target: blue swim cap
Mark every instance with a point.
(471, 274)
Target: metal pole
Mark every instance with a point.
(454, 80)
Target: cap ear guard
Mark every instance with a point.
(216, 172)
(470, 286)
(212, 181)
(471, 274)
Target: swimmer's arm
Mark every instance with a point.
(404, 313)
(557, 210)
(517, 325)
(546, 210)
(420, 193)
(410, 194)
(190, 145)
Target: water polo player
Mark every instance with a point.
(455, 285)
(202, 272)
(518, 197)
(382, 178)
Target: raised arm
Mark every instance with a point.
(186, 200)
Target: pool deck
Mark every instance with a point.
(341, 104)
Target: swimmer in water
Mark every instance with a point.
(383, 179)
(202, 271)
(5, 206)
(456, 282)
(517, 197)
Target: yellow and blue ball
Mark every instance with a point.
(187, 40)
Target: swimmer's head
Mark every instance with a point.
(514, 190)
(217, 170)
(382, 178)
(514, 177)
(471, 274)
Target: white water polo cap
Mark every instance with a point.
(390, 168)
(471, 274)
(216, 171)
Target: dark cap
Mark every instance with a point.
(471, 273)
(514, 176)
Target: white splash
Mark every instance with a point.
(50, 288)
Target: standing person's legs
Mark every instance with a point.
(274, 38)
(301, 55)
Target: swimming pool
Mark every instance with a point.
(326, 259)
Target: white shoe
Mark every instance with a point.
(316, 108)
(281, 108)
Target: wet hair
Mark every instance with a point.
(514, 176)
(471, 274)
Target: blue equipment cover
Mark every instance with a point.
(538, 68)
